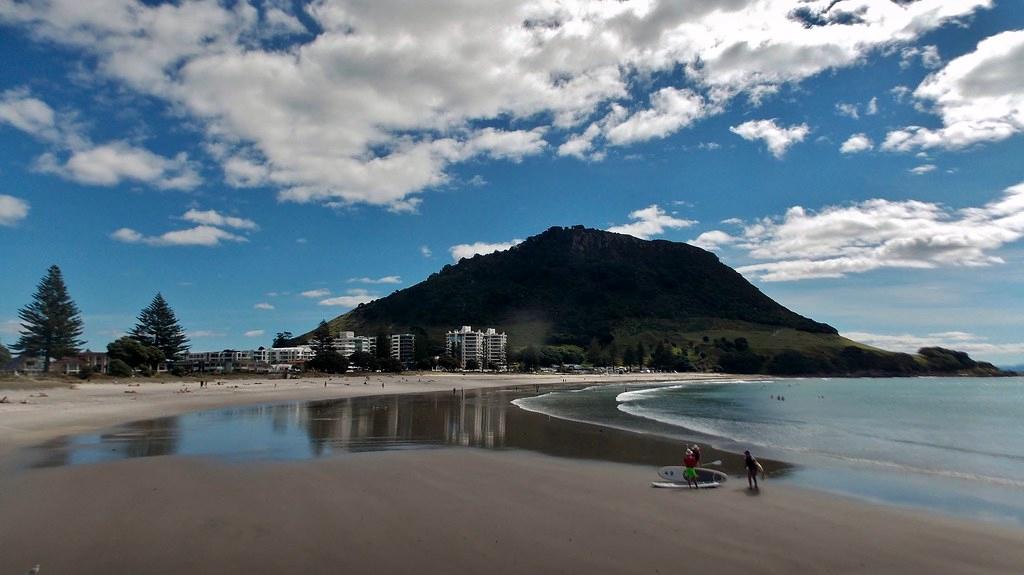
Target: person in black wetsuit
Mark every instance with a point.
(750, 462)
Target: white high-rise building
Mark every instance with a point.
(348, 343)
(486, 348)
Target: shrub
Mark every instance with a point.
(119, 368)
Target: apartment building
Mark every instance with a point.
(403, 348)
(348, 343)
(485, 348)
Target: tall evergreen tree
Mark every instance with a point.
(282, 339)
(5, 355)
(641, 353)
(158, 327)
(322, 341)
(52, 323)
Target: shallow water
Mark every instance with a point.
(949, 444)
(300, 430)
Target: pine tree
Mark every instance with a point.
(322, 341)
(641, 353)
(158, 327)
(52, 324)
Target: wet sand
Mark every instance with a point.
(74, 407)
(458, 511)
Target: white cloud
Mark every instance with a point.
(426, 252)
(670, 110)
(205, 333)
(380, 280)
(872, 107)
(254, 333)
(88, 163)
(650, 221)
(976, 345)
(11, 327)
(713, 240)
(922, 169)
(208, 236)
(777, 138)
(848, 110)
(929, 56)
(353, 299)
(873, 234)
(213, 218)
(979, 97)
(315, 293)
(461, 251)
(116, 162)
(30, 115)
(263, 306)
(376, 100)
(12, 210)
(856, 143)
(205, 234)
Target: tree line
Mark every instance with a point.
(52, 328)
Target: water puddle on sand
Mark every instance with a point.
(300, 430)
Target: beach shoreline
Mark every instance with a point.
(55, 409)
(429, 511)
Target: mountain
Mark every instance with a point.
(576, 289)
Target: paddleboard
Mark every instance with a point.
(674, 473)
(677, 485)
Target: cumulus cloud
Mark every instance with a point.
(375, 100)
(713, 240)
(214, 218)
(74, 157)
(872, 108)
(12, 210)
(380, 280)
(207, 233)
(461, 251)
(205, 333)
(116, 162)
(426, 252)
(353, 298)
(263, 306)
(922, 169)
(254, 333)
(857, 143)
(315, 293)
(650, 221)
(878, 233)
(207, 236)
(777, 138)
(978, 96)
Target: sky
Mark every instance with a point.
(266, 164)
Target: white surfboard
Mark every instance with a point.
(678, 485)
(674, 473)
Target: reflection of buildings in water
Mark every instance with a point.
(148, 438)
(400, 421)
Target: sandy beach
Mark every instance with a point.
(429, 511)
(36, 413)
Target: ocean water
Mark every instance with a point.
(954, 445)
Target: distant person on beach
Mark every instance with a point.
(696, 453)
(690, 471)
(753, 467)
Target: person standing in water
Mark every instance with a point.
(690, 471)
(753, 467)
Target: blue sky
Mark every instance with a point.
(268, 163)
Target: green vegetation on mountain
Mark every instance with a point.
(578, 295)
